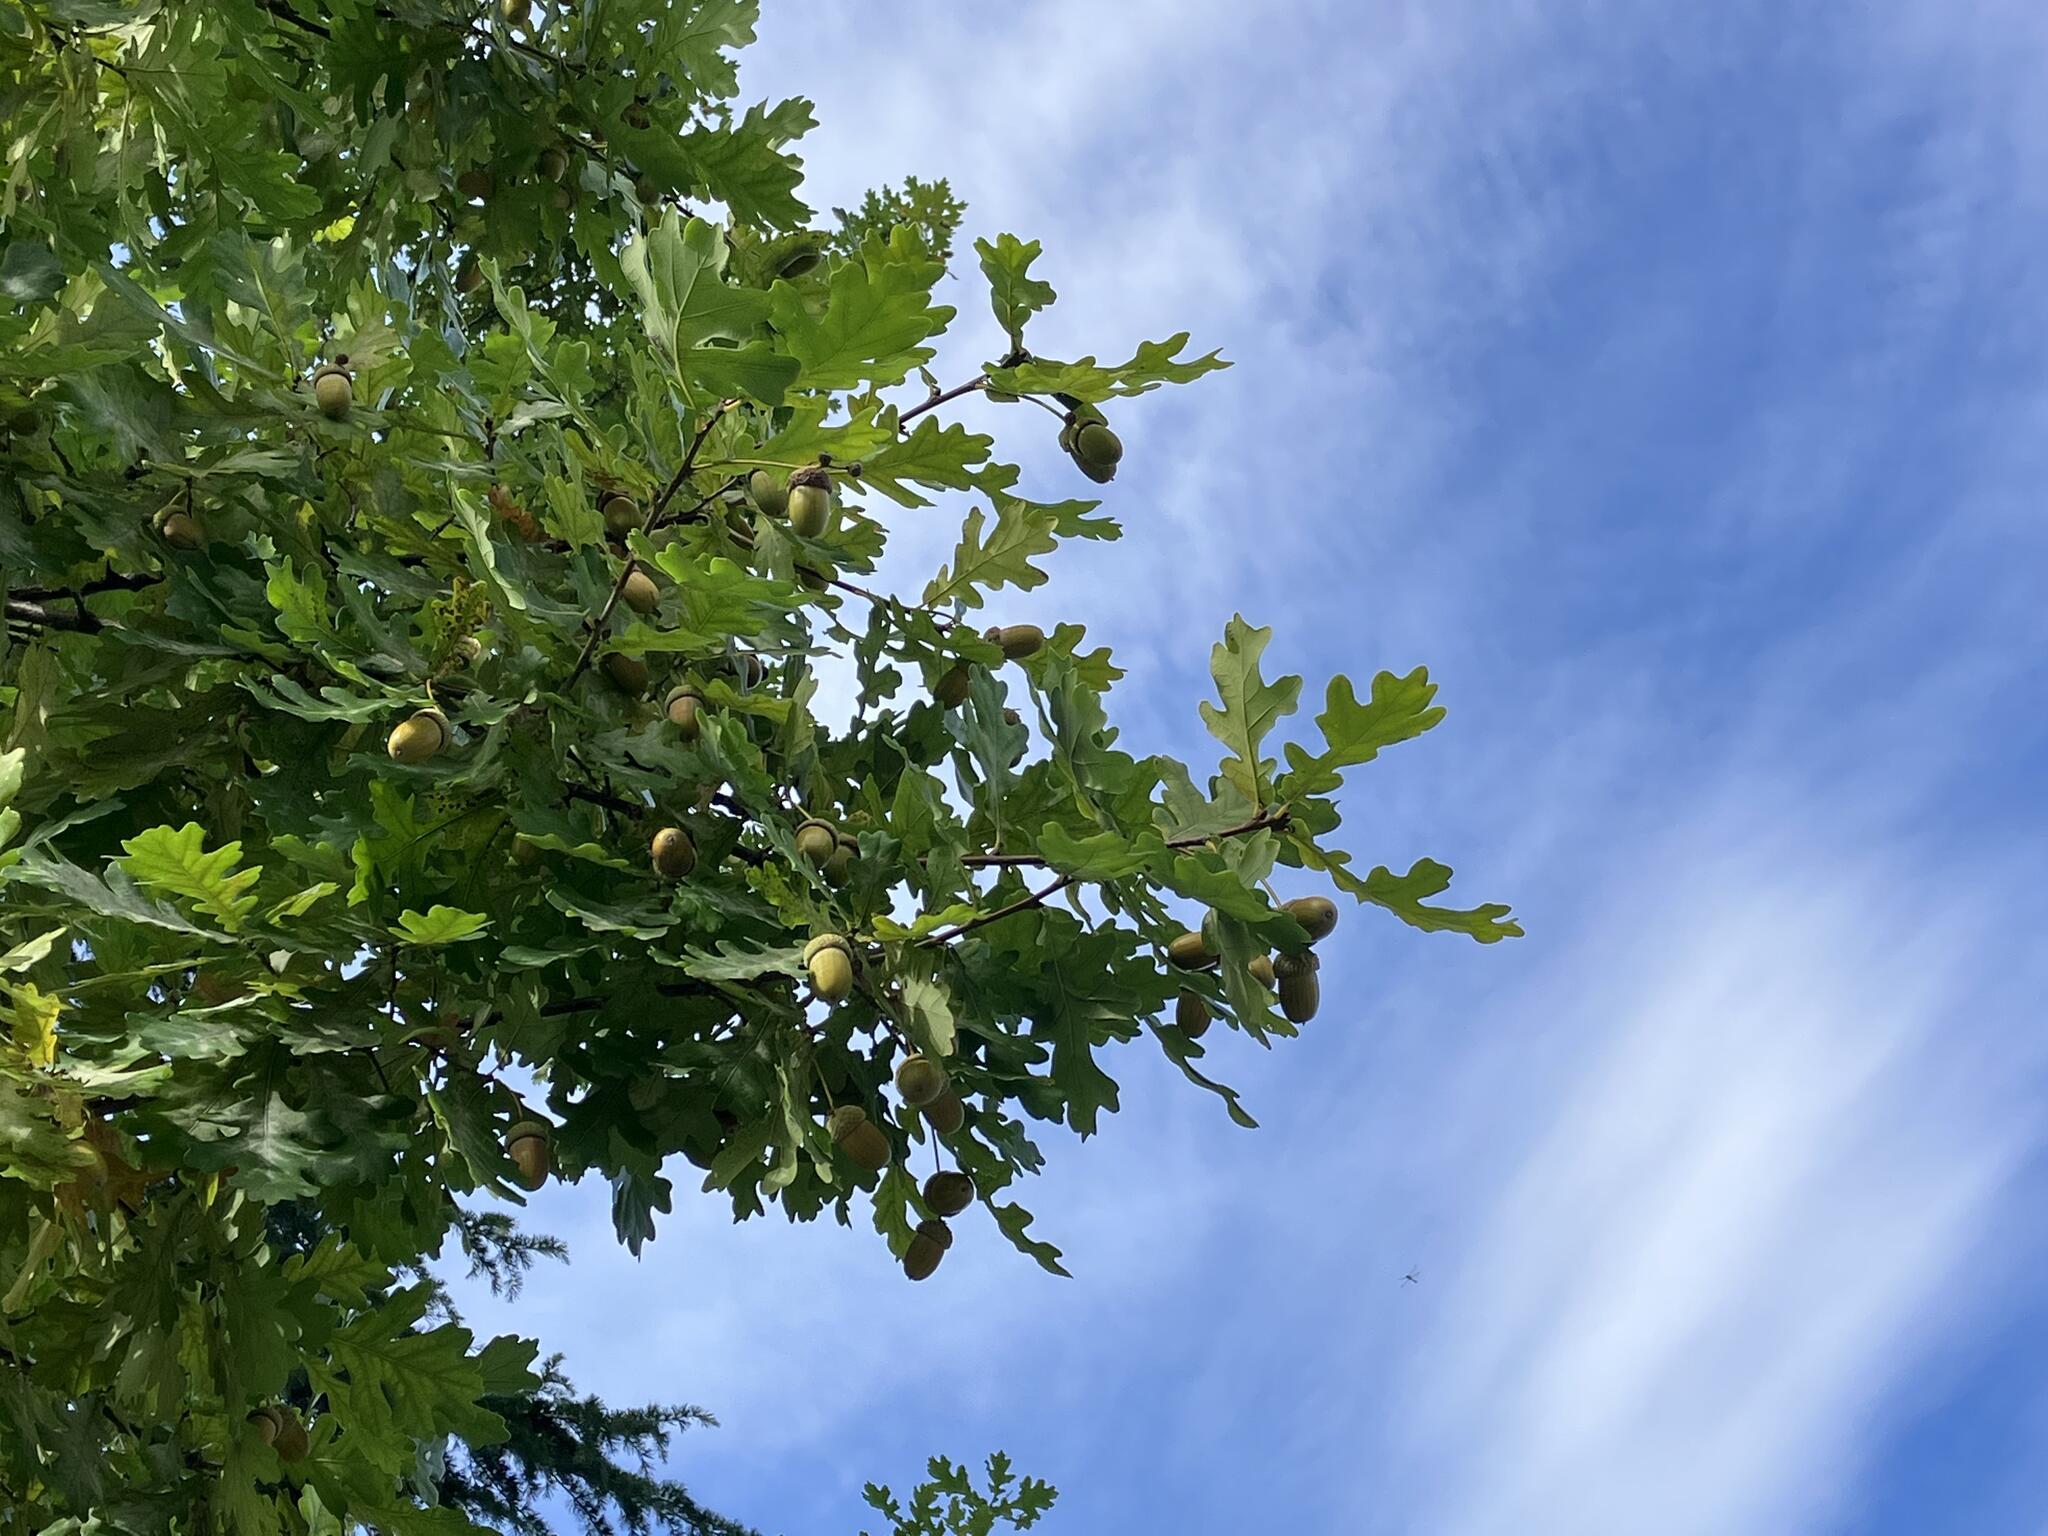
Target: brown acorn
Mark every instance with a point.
(1261, 967)
(267, 1421)
(639, 592)
(1190, 952)
(817, 840)
(946, 1114)
(768, 493)
(292, 1442)
(333, 390)
(829, 960)
(418, 737)
(1316, 914)
(1300, 992)
(920, 1080)
(810, 502)
(621, 514)
(859, 1138)
(753, 671)
(948, 1194)
(672, 853)
(635, 115)
(1017, 641)
(951, 689)
(628, 673)
(684, 708)
(475, 185)
(927, 1247)
(529, 1144)
(553, 164)
(1191, 1013)
(181, 530)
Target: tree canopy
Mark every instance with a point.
(453, 739)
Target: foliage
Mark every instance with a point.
(947, 1503)
(927, 208)
(336, 341)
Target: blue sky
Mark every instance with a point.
(1672, 381)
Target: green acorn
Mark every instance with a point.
(639, 592)
(628, 673)
(859, 1138)
(334, 390)
(1191, 1013)
(810, 502)
(1316, 914)
(829, 960)
(946, 1114)
(553, 164)
(181, 530)
(621, 514)
(1300, 992)
(672, 853)
(768, 493)
(951, 688)
(684, 708)
(817, 840)
(418, 737)
(920, 1080)
(1097, 451)
(840, 865)
(948, 1194)
(1190, 952)
(1016, 641)
(927, 1247)
(530, 1146)
(1261, 967)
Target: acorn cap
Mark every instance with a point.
(1303, 964)
(438, 720)
(810, 474)
(845, 1120)
(525, 1128)
(680, 691)
(826, 941)
(326, 368)
(936, 1231)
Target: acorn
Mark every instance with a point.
(672, 853)
(628, 673)
(469, 276)
(1300, 992)
(1191, 1013)
(684, 707)
(639, 592)
(951, 689)
(292, 1442)
(1017, 641)
(528, 1145)
(553, 164)
(817, 840)
(859, 1137)
(214, 989)
(475, 184)
(181, 530)
(767, 493)
(525, 851)
(1261, 967)
(1316, 914)
(1097, 450)
(829, 959)
(920, 1080)
(267, 1421)
(810, 502)
(926, 1248)
(418, 737)
(948, 1194)
(334, 390)
(946, 1113)
(621, 514)
(840, 865)
(648, 190)
(635, 115)
(561, 197)
(1190, 952)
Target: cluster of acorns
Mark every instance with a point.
(1094, 448)
(924, 1086)
(1292, 976)
(1015, 641)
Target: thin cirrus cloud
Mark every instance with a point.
(1671, 384)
